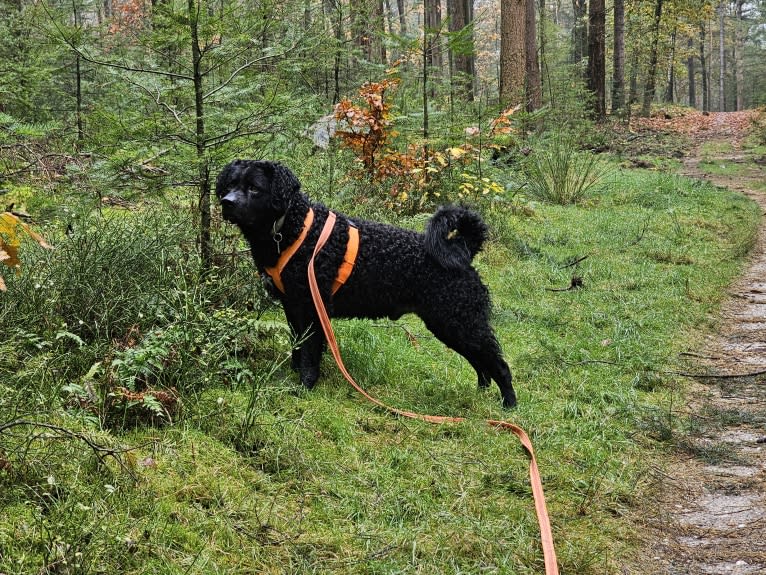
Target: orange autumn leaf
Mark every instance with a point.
(11, 228)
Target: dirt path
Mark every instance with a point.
(710, 515)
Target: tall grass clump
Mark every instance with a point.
(560, 173)
(107, 274)
(120, 304)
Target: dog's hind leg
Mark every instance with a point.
(479, 346)
(483, 378)
(492, 363)
(488, 362)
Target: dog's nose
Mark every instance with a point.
(229, 200)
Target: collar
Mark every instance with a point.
(275, 272)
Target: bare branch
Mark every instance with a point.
(127, 68)
(101, 451)
(244, 66)
(97, 62)
(157, 97)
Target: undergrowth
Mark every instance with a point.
(245, 472)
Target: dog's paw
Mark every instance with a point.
(309, 376)
(509, 402)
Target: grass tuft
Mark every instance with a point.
(559, 173)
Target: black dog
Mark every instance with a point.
(395, 271)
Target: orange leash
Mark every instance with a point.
(546, 534)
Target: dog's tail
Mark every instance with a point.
(454, 235)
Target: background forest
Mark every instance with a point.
(137, 91)
(149, 420)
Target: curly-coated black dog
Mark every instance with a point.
(366, 269)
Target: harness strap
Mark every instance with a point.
(352, 248)
(276, 271)
(546, 534)
(346, 267)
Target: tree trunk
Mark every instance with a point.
(633, 83)
(541, 40)
(651, 76)
(432, 12)
(618, 62)
(669, 96)
(78, 80)
(703, 70)
(721, 58)
(306, 15)
(368, 28)
(402, 17)
(78, 97)
(691, 74)
(203, 169)
(426, 153)
(532, 67)
(579, 30)
(339, 51)
(379, 32)
(460, 14)
(512, 58)
(596, 72)
(739, 52)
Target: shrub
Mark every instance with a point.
(559, 173)
(106, 275)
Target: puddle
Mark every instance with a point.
(725, 512)
(732, 471)
(736, 568)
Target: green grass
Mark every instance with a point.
(716, 148)
(254, 475)
(723, 167)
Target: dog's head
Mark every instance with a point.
(255, 192)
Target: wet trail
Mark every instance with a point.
(710, 516)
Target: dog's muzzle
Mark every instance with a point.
(229, 207)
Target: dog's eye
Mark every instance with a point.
(253, 191)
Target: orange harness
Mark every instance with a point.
(345, 269)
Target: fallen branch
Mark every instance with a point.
(101, 451)
(575, 283)
(575, 262)
(716, 375)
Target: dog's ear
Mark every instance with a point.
(284, 186)
(227, 176)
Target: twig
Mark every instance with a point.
(692, 354)
(101, 451)
(716, 375)
(641, 235)
(575, 262)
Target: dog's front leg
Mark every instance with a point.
(308, 342)
(298, 330)
(311, 354)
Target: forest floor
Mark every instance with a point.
(706, 511)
